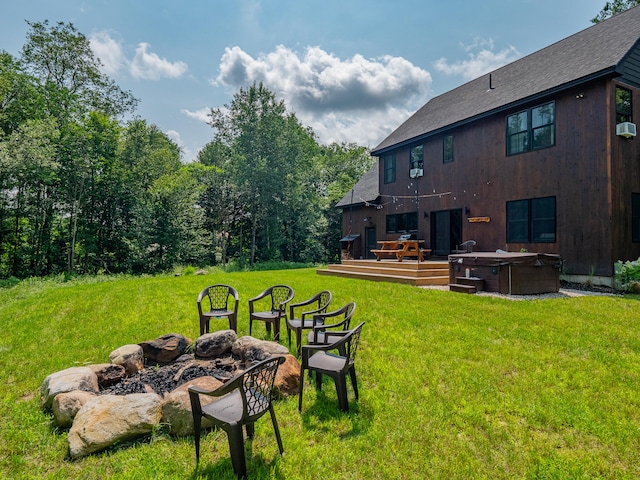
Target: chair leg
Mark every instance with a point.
(197, 420)
(341, 390)
(250, 325)
(276, 330)
(299, 341)
(233, 323)
(289, 334)
(204, 326)
(301, 388)
(236, 448)
(318, 380)
(276, 429)
(354, 382)
(250, 427)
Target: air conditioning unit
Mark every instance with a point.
(415, 172)
(626, 129)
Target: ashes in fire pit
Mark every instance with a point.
(165, 378)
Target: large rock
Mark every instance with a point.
(251, 349)
(130, 357)
(165, 349)
(66, 406)
(108, 419)
(176, 410)
(74, 378)
(215, 344)
(108, 373)
(288, 376)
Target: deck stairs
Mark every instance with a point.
(467, 285)
(412, 272)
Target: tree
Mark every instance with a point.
(61, 59)
(613, 8)
(265, 149)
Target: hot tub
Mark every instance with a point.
(512, 273)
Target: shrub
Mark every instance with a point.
(627, 275)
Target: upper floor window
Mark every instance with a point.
(389, 168)
(531, 220)
(623, 105)
(531, 129)
(416, 157)
(447, 149)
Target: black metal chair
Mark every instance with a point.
(302, 319)
(340, 320)
(218, 301)
(278, 297)
(465, 247)
(319, 359)
(245, 398)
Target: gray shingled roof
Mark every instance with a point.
(364, 191)
(595, 51)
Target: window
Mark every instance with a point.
(416, 157)
(532, 220)
(402, 222)
(447, 149)
(389, 168)
(623, 105)
(635, 217)
(531, 129)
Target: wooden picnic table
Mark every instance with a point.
(400, 249)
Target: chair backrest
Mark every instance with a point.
(218, 296)
(352, 343)
(468, 245)
(341, 317)
(280, 295)
(257, 384)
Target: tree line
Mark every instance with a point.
(84, 191)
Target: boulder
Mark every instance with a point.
(251, 349)
(215, 344)
(288, 376)
(108, 373)
(66, 405)
(108, 419)
(176, 410)
(165, 349)
(130, 357)
(74, 378)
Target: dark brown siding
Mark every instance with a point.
(483, 178)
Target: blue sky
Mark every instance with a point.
(353, 70)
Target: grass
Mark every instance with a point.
(451, 386)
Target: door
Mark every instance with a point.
(370, 241)
(446, 231)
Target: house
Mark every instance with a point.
(538, 155)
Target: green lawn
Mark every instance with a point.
(452, 386)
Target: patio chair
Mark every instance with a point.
(218, 301)
(278, 297)
(465, 247)
(319, 359)
(302, 319)
(325, 324)
(245, 398)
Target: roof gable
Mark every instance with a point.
(596, 51)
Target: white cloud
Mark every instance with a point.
(109, 51)
(352, 100)
(482, 59)
(187, 153)
(150, 66)
(201, 115)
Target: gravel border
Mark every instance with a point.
(567, 291)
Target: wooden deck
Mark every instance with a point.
(410, 272)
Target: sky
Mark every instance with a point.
(352, 70)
